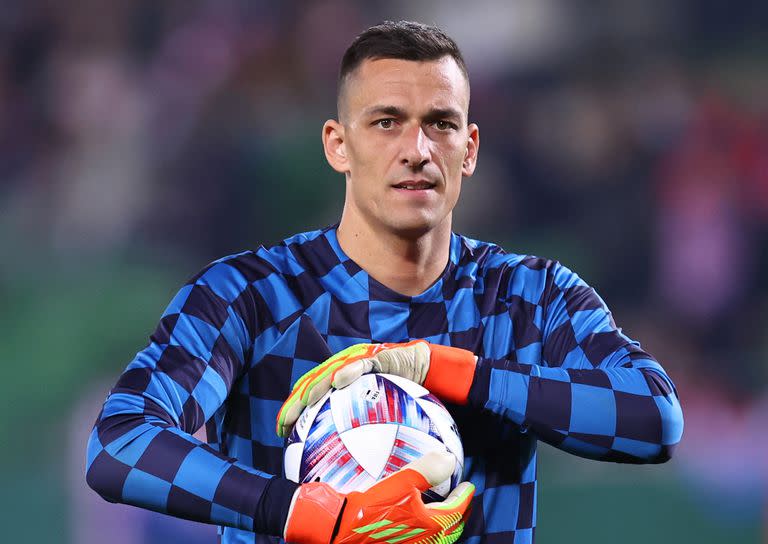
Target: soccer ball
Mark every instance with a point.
(355, 436)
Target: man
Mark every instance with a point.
(519, 347)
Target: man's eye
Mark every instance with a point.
(384, 123)
(443, 125)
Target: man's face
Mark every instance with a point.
(404, 142)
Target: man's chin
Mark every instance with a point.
(412, 227)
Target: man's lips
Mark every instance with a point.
(414, 185)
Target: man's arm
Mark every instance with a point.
(596, 394)
(141, 450)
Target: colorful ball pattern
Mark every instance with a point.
(357, 435)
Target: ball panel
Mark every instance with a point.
(412, 388)
(323, 445)
(444, 426)
(307, 419)
(373, 399)
(354, 436)
(324, 457)
(371, 446)
(292, 460)
(346, 476)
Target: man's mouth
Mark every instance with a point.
(414, 185)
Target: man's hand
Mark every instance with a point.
(391, 510)
(447, 372)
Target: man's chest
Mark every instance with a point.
(479, 322)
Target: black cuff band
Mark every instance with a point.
(478, 392)
(272, 510)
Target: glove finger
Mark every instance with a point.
(458, 499)
(451, 513)
(411, 361)
(350, 372)
(326, 369)
(317, 390)
(320, 378)
(435, 467)
(301, 397)
(289, 414)
(421, 353)
(312, 385)
(323, 382)
(300, 388)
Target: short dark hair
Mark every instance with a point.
(406, 40)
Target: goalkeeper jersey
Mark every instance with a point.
(552, 366)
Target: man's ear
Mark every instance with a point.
(334, 146)
(473, 147)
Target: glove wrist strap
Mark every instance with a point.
(314, 515)
(451, 371)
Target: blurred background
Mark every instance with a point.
(141, 140)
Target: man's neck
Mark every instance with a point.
(406, 265)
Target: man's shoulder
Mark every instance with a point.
(489, 256)
(503, 274)
(289, 256)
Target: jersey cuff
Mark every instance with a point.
(272, 509)
(479, 390)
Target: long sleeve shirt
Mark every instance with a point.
(552, 366)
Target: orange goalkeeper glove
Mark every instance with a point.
(445, 371)
(391, 511)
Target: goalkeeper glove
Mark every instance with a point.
(392, 509)
(445, 371)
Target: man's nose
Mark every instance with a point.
(415, 147)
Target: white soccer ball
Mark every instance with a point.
(355, 436)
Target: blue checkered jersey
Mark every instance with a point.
(552, 366)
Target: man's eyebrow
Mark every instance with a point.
(394, 111)
(434, 113)
(443, 113)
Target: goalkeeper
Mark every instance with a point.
(520, 347)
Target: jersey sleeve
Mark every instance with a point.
(595, 392)
(141, 450)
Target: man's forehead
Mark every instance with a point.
(382, 81)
